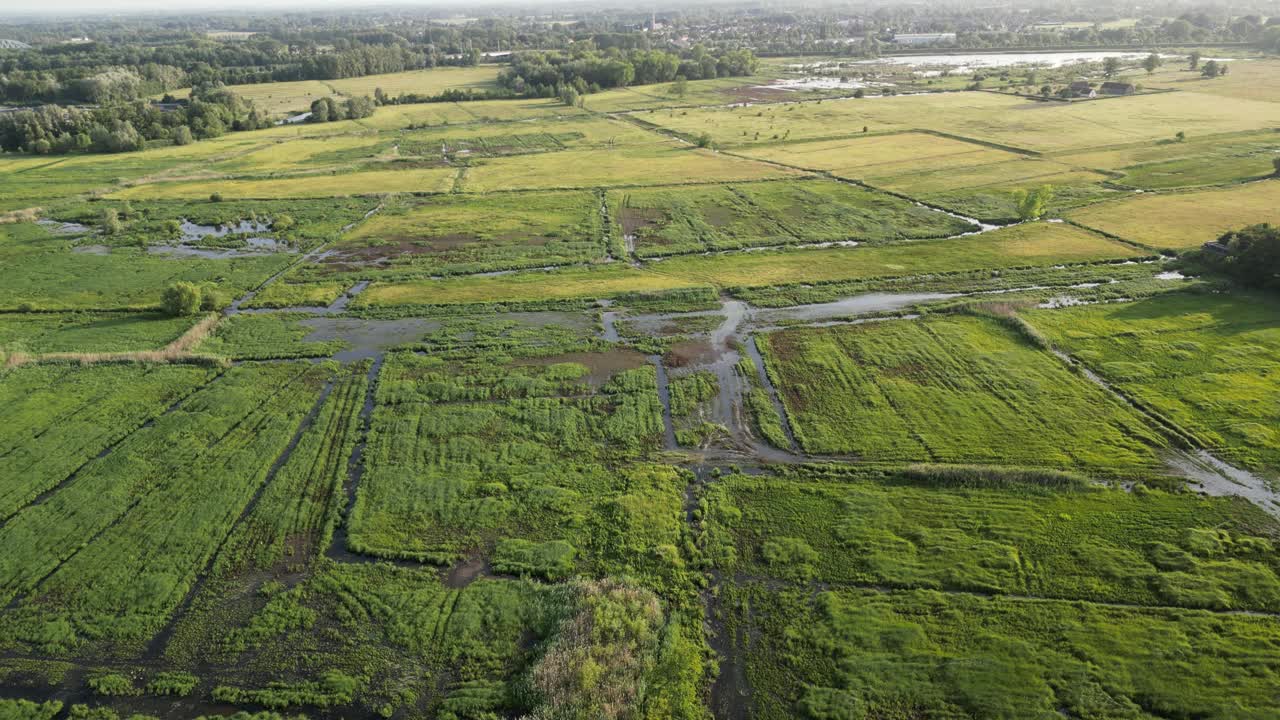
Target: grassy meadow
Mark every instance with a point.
(708, 391)
(951, 390)
(1184, 220)
(1204, 362)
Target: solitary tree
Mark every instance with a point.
(181, 298)
(1110, 66)
(1194, 59)
(1212, 69)
(1276, 162)
(704, 140)
(110, 222)
(569, 95)
(1151, 62)
(1032, 205)
(680, 86)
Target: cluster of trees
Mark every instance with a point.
(98, 72)
(548, 74)
(184, 298)
(211, 111)
(329, 110)
(1254, 258)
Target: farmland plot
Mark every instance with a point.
(954, 655)
(525, 471)
(463, 235)
(1205, 362)
(1056, 537)
(90, 565)
(958, 390)
(669, 221)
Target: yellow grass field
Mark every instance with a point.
(589, 282)
(1252, 79)
(431, 81)
(287, 97)
(663, 164)
(1025, 245)
(1020, 172)
(373, 182)
(881, 155)
(1159, 151)
(395, 117)
(990, 117)
(1185, 220)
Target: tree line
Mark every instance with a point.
(555, 73)
(211, 111)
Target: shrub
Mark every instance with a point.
(172, 683)
(112, 684)
(215, 197)
(27, 710)
(110, 222)
(181, 298)
(789, 551)
(704, 140)
(603, 655)
(211, 298)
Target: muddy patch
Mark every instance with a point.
(635, 219)
(1216, 477)
(691, 353)
(472, 568)
(846, 307)
(601, 366)
(368, 338)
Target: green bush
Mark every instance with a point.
(112, 684)
(181, 298)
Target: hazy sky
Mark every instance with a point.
(174, 7)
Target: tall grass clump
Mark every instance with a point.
(987, 476)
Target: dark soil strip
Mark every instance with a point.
(664, 397)
(757, 360)
(355, 471)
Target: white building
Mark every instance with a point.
(925, 39)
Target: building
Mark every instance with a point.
(1082, 88)
(1118, 88)
(925, 39)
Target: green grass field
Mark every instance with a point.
(864, 651)
(461, 234)
(673, 221)
(695, 401)
(1205, 362)
(1026, 537)
(953, 390)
